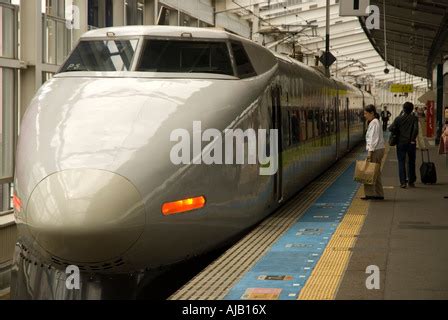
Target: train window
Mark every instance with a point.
(295, 128)
(317, 123)
(185, 57)
(101, 55)
(286, 129)
(303, 126)
(342, 121)
(332, 121)
(327, 121)
(322, 123)
(244, 67)
(310, 124)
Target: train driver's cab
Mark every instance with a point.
(171, 56)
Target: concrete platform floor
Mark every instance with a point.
(406, 236)
(4, 296)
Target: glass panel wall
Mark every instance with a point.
(134, 12)
(8, 49)
(100, 14)
(164, 16)
(188, 21)
(7, 100)
(140, 12)
(8, 29)
(55, 8)
(172, 17)
(203, 24)
(8, 94)
(6, 190)
(46, 76)
(57, 37)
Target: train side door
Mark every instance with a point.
(277, 124)
(347, 121)
(338, 126)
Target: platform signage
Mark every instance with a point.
(275, 278)
(401, 88)
(262, 294)
(354, 8)
(327, 59)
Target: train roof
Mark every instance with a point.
(161, 31)
(197, 33)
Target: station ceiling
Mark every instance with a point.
(360, 58)
(416, 33)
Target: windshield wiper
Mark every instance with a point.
(81, 70)
(75, 68)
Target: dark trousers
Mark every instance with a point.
(408, 152)
(385, 125)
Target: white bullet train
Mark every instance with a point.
(95, 187)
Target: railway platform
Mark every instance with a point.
(326, 242)
(405, 236)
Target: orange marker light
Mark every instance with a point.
(17, 203)
(180, 206)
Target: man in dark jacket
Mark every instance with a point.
(406, 128)
(385, 117)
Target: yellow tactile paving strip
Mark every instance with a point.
(325, 279)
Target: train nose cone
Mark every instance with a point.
(86, 215)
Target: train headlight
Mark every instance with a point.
(184, 205)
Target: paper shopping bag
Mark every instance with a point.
(367, 172)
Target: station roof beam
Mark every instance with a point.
(416, 30)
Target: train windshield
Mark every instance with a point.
(102, 55)
(186, 57)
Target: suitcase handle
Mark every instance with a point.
(423, 156)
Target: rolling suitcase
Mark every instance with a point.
(428, 170)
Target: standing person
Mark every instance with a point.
(416, 112)
(444, 139)
(385, 116)
(406, 128)
(421, 113)
(375, 147)
(421, 140)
